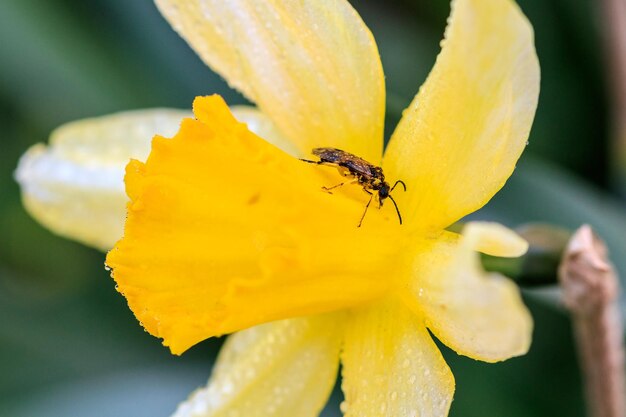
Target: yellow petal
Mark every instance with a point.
(312, 66)
(478, 314)
(75, 185)
(285, 368)
(225, 231)
(494, 239)
(460, 138)
(391, 366)
(260, 124)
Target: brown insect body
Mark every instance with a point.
(369, 176)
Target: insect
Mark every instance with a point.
(369, 176)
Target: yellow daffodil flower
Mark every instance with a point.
(228, 230)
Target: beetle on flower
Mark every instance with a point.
(228, 231)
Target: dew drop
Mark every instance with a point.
(227, 387)
(343, 407)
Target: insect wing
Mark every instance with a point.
(357, 166)
(361, 167)
(331, 155)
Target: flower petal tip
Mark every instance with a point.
(494, 239)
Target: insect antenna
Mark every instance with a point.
(395, 205)
(398, 182)
(366, 207)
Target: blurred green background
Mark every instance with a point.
(69, 346)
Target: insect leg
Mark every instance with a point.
(322, 162)
(311, 162)
(366, 207)
(327, 189)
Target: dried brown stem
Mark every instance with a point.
(590, 290)
(614, 26)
